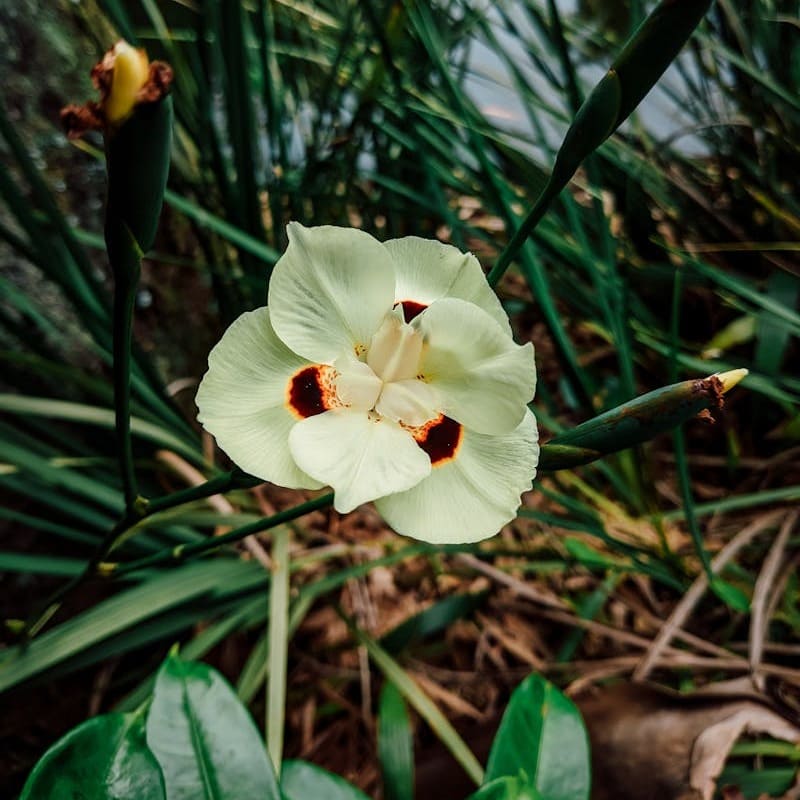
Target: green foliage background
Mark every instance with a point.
(671, 255)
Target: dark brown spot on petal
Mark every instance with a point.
(440, 439)
(411, 308)
(311, 391)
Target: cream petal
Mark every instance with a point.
(426, 270)
(410, 402)
(395, 350)
(330, 291)
(472, 496)
(357, 386)
(484, 379)
(242, 400)
(359, 455)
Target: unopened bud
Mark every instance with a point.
(730, 378)
(125, 78)
(129, 68)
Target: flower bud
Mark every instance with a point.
(638, 420)
(126, 79)
(129, 68)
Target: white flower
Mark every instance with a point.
(386, 371)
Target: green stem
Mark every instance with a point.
(235, 479)
(126, 279)
(222, 483)
(176, 554)
(548, 194)
(278, 645)
(55, 601)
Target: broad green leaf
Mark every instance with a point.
(105, 758)
(204, 739)
(542, 735)
(303, 781)
(395, 745)
(507, 788)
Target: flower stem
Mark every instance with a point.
(126, 279)
(278, 645)
(522, 233)
(177, 554)
(222, 483)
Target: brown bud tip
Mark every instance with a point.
(159, 79)
(77, 120)
(125, 78)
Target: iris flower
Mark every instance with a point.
(386, 371)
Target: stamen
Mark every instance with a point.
(395, 350)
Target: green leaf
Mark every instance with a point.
(542, 734)
(105, 758)
(731, 595)
(395, 745)
(641, 63)
(128, 613)
(506, 788)
(436, 618)
(652, 48)
(423, 705)
(203, 737)
(303, 781)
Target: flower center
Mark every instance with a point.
(388, 383)
(395, 350)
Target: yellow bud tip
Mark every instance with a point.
(130, 69)
(731, 378)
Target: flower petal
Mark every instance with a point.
(242, 400)
(411, 402)
(472, 496)
(426, 270)
(357, 386)
(360, 455)
(330, 291)
(484, 379)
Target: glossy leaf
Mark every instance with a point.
(105, 758)
(542, 735)
(506, 788)
(303, 781)
(395, 745)
(205, 740)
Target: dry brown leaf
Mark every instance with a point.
(650, 743)
(712, 746)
